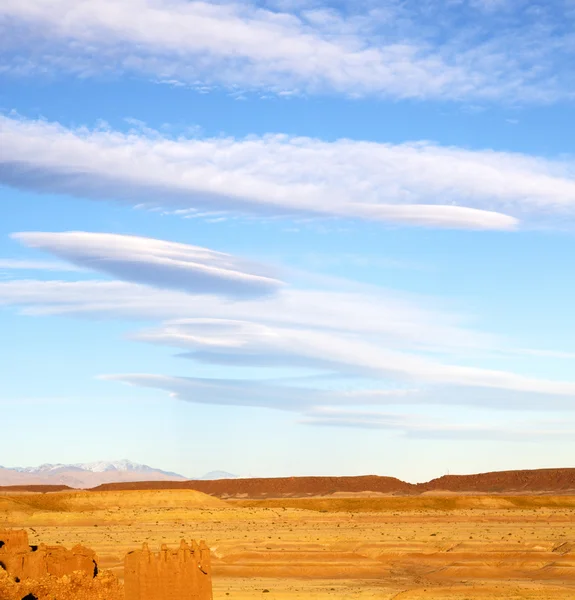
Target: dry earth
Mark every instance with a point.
(457, 547)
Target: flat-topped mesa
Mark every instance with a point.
(23, 561)
(184, 573)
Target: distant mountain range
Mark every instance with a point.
(86, 475)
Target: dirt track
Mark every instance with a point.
(457, 547)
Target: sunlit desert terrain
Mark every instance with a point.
(454, 546)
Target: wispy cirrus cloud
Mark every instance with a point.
(227, 392)
(158, 263)
(336, 406)
(402, 50)
(418, 427)
(413, 183)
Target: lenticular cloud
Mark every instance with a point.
(157, 263)
(275, 175)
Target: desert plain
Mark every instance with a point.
(340, 546)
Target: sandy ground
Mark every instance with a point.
(456, 547)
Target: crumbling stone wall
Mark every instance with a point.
(22, 561)
(13, 540)
(46, 572)
(182, 574)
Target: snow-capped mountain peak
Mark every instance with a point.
(114, 465)
(45, 468)
(87, 475)
(120, 466)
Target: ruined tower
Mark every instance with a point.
(182, 574)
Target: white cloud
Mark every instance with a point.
(395, 50)
(360, 335)
(383, 351)
(308, 400)
(393, 318)
(225, 392)
(157, 263)
(422, 427)
(18, 264)
(337, 408)
(337, 350)
(415, 183)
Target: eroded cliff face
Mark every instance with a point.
(180, 574)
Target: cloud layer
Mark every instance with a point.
(396, 320)
(157, 263)
(18, 264)
(415, 183)
(321, 408)
(297, 396)
(402, 50)
(359, 346)
(336, 350)
(419, 427)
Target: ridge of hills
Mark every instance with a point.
(560, 481)
(525, 481)
(537, 480)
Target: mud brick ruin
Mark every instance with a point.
(23, 561)
(182, 574)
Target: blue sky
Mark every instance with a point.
(288, 237)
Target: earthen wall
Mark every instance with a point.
(182, 574)
(22, 561)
